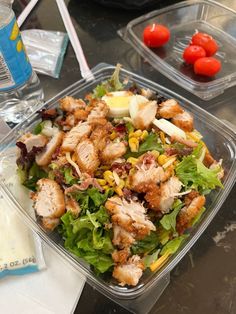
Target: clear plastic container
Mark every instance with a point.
(220, 139)
(183, 19)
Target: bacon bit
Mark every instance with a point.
(84, 186)
(121, 128)
(56, 153)
(48, 114)
(121, 168)
(188, 143)
(180, 152)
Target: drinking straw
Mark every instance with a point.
(22, 17)
(84, 69)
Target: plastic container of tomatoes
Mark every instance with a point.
(183, 20)
(221, 141)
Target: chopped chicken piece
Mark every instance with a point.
(121, 256)
(44, 158)
(87, 157)
(69, 122)
(80, 114)
(140, 181)
(188, 213)
(98, 114)
(121, 237)
(161, 198)
(145, 115)
(190, 196)
(129, 215)
(50, 223)
(100, 134)
(70, 104)
(130, 272)
(169, 108)
(49, 200)
(73, 137)
(72, 206)
(184, 121)
(113, 150)
(208, 159)
(31, 140)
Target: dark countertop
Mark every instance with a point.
(205, 279)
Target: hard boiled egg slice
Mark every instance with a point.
(118, 102)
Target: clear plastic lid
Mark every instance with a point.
(221, 141)
(183, 20)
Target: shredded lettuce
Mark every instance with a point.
(172, 246)
(86, 237)
(149, 259)
(168, 221)
(192, 172)
(150, 143)
(111, 85)
(146, 245)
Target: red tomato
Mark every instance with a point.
(207, 66)
(192, 53)
(156, 35)
(206, 42)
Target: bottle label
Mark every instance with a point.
(15, 68)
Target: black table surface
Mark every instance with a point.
(205, 279)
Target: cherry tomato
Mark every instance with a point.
(192, 53)
(207, 66)
(156, 35)
(206, 42)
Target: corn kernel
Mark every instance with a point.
(131, 134)
(155, 153)
(132, 160)
(133, 144)
(106, 187)
(119, 191)
(101, 182)
(138, 133)
(144, 135)
(121, 184)
(162, 137)
(108, 176)
(162, 159)
(113, 135)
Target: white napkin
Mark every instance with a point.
(55, 290)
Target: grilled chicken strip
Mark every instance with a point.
(49, 200)
(188, 213)
(184, 121)
(130, 272)
(169, 108)
(44, 158)
(87, 157)
(49, 223)
(73, 137)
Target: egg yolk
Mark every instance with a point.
(118, 102)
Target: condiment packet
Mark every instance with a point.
(20, 249)
(46, 50)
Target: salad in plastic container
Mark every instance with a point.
(123, 177)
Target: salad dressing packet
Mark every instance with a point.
(20, 249)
